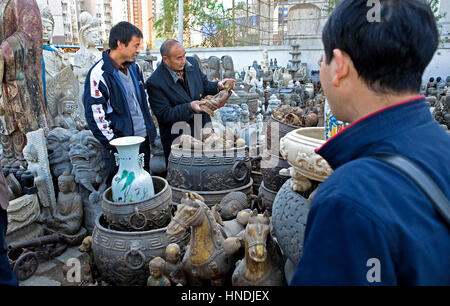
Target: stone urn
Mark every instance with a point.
(131, 183)
(289, 215)
(147, 214)
(297, 147)
(122, 257)
(208, 170)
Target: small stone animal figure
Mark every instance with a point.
(263, 264)
(215, 102)
(86, 247)
(156, 269)
(174, 268)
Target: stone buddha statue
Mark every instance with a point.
(88, 54)
(69, 207)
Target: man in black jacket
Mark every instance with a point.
(175, 90)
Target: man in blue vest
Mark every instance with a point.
(369, 224)
(115, 100)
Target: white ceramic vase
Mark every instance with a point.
(131, 183)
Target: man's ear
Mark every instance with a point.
(341, 66)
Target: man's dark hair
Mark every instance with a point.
(123, 32)
(390, 55)
(167, 45)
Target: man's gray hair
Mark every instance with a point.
(167, 45)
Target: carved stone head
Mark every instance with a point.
(66, 183)
(89, 31)
(48, 23)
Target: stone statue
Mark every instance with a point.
(232, 204)
(156, 268)
(145, 62)
(88, 54)
(35, 152)
(245, 114)
(286, 78)
(251, 76)
(199, 62)
(86, 156)
(22, 107)
(441, 111)
(214, 69)
(55, 59)
(265, 63)
(62, 97)
(58, 141)
(228, 67)
(174, 267)
(69, 207)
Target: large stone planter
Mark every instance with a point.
(151, 213)
(208, 170)
(297, 147)
(122, 258)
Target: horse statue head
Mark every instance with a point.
(256, 234)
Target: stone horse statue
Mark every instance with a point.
(263, 264)
(204, 258)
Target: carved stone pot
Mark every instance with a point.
(208, 170)
(283, 128)
(289, 215)
(151, 213)
(122, 257)
(298, 146)
(213, 197)
(266, 197)
(270, 167)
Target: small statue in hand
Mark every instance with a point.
(211, 103)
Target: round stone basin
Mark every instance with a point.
(298, 146)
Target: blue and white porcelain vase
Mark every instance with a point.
(131, 183)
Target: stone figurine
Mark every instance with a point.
(22, 108)
(86, 156)
(214, 69)
(62, 96)
(232, 204)
(88, 54)
(58, 141)
(174, 268)
(214, 102)
(69, 207)
(228, 67)
(156, 269)
(35, 152)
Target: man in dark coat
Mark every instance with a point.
(175, 90)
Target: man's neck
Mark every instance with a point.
(373, 103)
(116, 57)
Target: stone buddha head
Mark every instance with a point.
(48, 24)
(66, 183)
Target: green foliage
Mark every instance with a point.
(199, 16)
